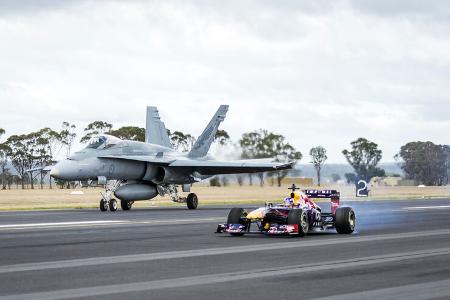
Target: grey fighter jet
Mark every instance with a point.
(134, 171)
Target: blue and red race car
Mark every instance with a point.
(297, 215)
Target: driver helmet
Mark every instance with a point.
(295, 198)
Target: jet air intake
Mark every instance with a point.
(165, 175)
(136, 191)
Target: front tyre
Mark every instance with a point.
(192, 201)
(345, 220)
(235, 217)
(112, 205)
(298, 217)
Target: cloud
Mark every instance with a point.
(319, 72)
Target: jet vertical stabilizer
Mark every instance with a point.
(155, 131)
(203, 143)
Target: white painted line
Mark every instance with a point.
(107, 260)
(56, 224)
(427, 207)
(27, 225)
(181, 221)
(421, 291)
(76, 224)
(226, 277)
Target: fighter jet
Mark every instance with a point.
(134, 171)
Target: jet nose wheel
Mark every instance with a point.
(103, 205)
(112, 205)
(192, 201)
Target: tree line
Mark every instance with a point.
(40, 148)
(424, 162)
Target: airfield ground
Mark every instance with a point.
(400, 250)
(17, 199)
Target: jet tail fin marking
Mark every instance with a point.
(155, 131)
(203, 143)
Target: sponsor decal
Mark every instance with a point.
(235, 228)
(283, 229)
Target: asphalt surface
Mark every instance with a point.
(400, 250)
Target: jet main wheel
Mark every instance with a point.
(112, 205)
(126, 205)
(103, 205)
(192, 201)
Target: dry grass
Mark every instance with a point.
(57, 198)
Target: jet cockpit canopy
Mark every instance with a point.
(103, 141)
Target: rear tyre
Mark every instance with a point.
(298, 217)
(125, 205)
(103, 205)
(345, 220)
(112, 205)
(192, 201)
(234, 217)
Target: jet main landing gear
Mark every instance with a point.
(126, 205)
(191, 200)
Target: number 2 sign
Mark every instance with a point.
(361, 189)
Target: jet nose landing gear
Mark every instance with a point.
(107, 200)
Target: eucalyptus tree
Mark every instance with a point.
(95, 128)
(318, 157)
(364, 157)
(67, 136)
(264, 144)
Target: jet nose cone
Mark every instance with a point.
(63, 170)
(54, 172)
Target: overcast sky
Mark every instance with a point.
(318, 72)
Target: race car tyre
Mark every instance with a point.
(345, 220)
(112, 205)
(126, 205)
(234, 217)
(103, 205)
(192, 201)
(299, 217)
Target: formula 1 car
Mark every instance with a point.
(291, 218)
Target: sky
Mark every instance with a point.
(317, 72)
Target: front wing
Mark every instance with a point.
(274, 229)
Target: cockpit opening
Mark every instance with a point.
(102, 142)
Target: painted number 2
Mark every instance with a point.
(361, 189)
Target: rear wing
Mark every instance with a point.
(325, 194)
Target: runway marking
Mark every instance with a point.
(107, 260)
(76, 224)
(426, 207)
(421, 291)
(226, 277)
(58, 224)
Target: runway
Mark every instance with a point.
(401, 250)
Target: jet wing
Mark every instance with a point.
(212, 167)
(209, 167)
